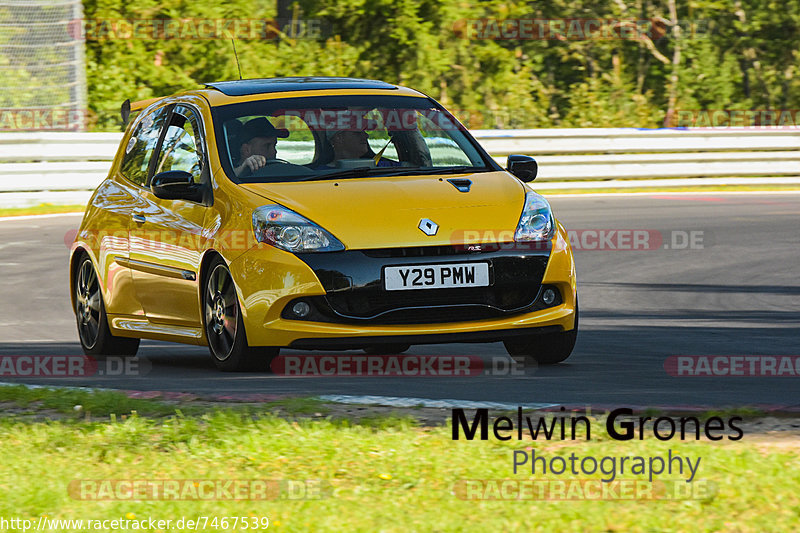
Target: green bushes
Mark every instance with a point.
(730, 55)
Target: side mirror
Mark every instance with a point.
(176, 185)
(523, 166)
(125, 112)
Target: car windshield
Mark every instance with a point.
(327, 137)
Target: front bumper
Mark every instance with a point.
(354, 286)
(351, 309)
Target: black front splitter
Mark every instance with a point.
(354, 343)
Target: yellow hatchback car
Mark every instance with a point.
(316, 213)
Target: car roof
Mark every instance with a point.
(290, 84)
(237, 91)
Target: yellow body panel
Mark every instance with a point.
(180, 237)
(141, 104)
(378, 209)
(270, 278)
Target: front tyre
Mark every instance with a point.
(90, 312)
(544, 349)
(227, 340)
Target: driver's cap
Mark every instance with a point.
(261, 127)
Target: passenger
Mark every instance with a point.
(353, 144)
(348, 144)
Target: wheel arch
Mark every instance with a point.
(74, 261)
(208, 257)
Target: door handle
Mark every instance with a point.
(139, 218)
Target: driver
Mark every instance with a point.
(258, 137)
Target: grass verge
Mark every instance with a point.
(41, 209)
(382, 474)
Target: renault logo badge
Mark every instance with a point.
(428, 227)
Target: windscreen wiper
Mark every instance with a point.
(349, 173)
(461, 169)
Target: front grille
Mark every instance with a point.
(416, 251)
(366, 303)
(437, 315)
(355, 290)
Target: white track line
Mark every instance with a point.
(398, 401)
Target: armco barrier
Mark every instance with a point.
(54, 167)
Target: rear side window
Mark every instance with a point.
(182, 146)
(141, 145)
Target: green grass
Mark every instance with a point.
(299, 406)
(79, 403)
(94, 404)
(744, 412)
(386, 473)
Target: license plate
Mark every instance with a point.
(400, 278)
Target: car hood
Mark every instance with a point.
(386, 212)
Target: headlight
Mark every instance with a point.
(536, 222)
(285, 229)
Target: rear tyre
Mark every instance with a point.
(387, 349)
(227, 340)
(544, 349)
(90, 312)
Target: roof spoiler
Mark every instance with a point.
(128, 108)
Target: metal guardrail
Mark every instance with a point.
(62, 167)
(629, 153)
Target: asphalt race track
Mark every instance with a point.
(735, 291)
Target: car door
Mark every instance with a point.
(166, 237)
(116, 198)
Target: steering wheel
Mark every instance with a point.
(279, 170)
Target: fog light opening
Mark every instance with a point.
(549, 296)
(301, 309)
